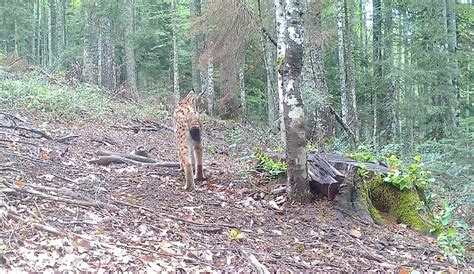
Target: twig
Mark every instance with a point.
(36, 131)
(97, 204)
(42, 227)
(66, 138)
(258, 266)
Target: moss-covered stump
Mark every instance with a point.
(405, 206)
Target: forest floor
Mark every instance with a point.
(60, 212)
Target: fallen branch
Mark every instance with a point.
(106, 160)
(66, 138)
(33, 130)
(88, 203)
(343, 124)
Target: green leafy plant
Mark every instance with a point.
(362, 154)
(409, 177)
(447, 229)
(272, 168)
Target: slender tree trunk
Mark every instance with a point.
(243, 99)
(50, 33)
(314, 79)
(341, 57)
(377, 68)
(39, 36)
(15, 36)
(452, 45)
(106, 55)
(387, 70)
(90, 47)
(59, 27)
(297, 170)
(268, 56)
(281, 50)
(349, 26)
(34, 30)
(131, 79)
(196, 41)
(210, 87)
(175, 53)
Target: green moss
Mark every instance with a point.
(374, 213)
(404, 205)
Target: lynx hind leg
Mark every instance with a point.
(198, 156)
(186, 164)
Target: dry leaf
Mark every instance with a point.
(19, 183)
(82, 245)
(355, 233)
(44, 155)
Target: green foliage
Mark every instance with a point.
(362, 154)
(406, 178)
(272, 168)
(62, 102)
(447, 229)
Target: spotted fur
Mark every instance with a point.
(188, 129)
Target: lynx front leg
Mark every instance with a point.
(198, 156)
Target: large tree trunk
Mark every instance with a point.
(293, 112)
(131, 79)
(341, 57)
(196, 41)
(281, 49)
(377, 68)
(175, 53)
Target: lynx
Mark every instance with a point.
(188, 129)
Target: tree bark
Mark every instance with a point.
(106, 54)
(377, 68)
(50, 32)
(267, 56)
(90, 46)
(342, 63)
(349, 43)
(387, 71)
(290, 70)
(196, 41)
(281, 49)
(175, 53)
(243, 99)
(210, 87)
(60, 26)
(131, 78)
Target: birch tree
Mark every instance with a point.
(281, 25)
(289, 71)
(341, 58)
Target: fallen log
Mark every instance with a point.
(107, 158)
